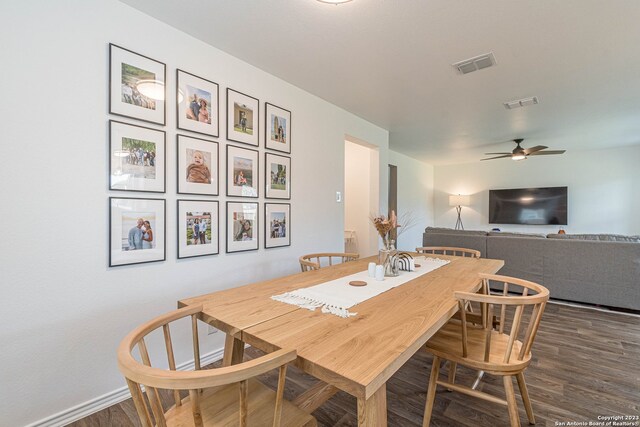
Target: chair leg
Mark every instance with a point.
(525, 397)
(511, 401)
(476, 382)
(431, 391)
(452, 373)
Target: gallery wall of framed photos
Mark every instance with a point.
(140, 143)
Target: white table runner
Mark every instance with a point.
(337, 296)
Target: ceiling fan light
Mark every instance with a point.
(518, 157)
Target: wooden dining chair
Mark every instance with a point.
(317, 261)
(443, 250)
(222, 396)
(498, 345)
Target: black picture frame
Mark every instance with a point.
(136, 105)
(233, 189)
(182, 79)
(159, 160)
(183, 186)
(271, 241)
(140, 208)
(184, 249)
(271, 192)
(277, 140)
(234, 226)
(251, 104)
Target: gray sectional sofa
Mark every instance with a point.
(592, 268)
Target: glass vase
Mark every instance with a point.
(388, 259)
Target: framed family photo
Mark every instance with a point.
(242, 172)
(198, 228)
(136, 86)
(198, 104)
(242, 118)
(137, 160)
(277, 126)
(277, 229)
(198, 166)
(277, 170)
(136, 231)
(242, 226)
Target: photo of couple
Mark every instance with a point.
(140, 234)
(199, 108)
(198, 228)
(130, 95)
(278, 225)
(278, 129)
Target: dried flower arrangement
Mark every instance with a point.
(384, 225)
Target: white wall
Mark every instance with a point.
(64, 311)
(604, 189)
(360, 195)
(415, 198)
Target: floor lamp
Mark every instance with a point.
(459, 201)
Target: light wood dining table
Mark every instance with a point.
(356, 354)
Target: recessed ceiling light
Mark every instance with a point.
(334, 1)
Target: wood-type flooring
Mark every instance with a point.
(586, 365)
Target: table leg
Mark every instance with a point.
(233, 351)
(372, 412)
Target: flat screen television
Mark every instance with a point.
(532, 206)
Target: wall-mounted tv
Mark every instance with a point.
(532, 206)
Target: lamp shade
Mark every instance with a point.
(458, 200)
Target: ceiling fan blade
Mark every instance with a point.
(499, 157)
(489, 154)
(534, 149)
(540, 153)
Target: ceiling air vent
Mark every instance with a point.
(474, 64)
(524, 102)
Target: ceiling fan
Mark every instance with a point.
(520, 153)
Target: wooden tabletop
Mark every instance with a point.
(358, 354)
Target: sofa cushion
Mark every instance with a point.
(440, 230)
(511, 234)
(456, 240)
(599, 237)
(606, 273)
(523, 256)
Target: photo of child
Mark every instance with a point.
(243, 118)
(198, 171)
(242, 172)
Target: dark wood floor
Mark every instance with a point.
(586, 363)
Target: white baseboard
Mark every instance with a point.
(92, 406)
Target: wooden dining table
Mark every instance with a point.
(357, 354)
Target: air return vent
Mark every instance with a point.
(474, 64)
(524, 102)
